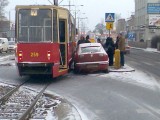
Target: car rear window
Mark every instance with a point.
(91, 49)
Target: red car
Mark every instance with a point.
(90, 57)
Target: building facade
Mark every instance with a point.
(121, 26)
(142, 29)
(130, 28)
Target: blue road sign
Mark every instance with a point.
(153, 8)
(109, 17)
(131, 36)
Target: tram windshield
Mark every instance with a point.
(34, 25)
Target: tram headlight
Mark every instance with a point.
(20, 55)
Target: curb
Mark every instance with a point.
(65, 109)
(125, 69)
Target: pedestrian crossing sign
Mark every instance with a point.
(109, 17)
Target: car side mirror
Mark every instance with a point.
(3, 42)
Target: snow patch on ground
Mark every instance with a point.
(147, 49)
(75, 109)
(136, 77)
(151, 50)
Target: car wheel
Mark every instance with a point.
(1, 51)
(75, 70)
(70, 67)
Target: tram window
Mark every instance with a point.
(34, 28)
(62, 30)
(55, 30)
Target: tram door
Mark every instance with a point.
(63, 42)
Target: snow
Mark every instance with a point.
(147, 49)
(136, 77)
(8, 57)
(152, 50)
(128, 74)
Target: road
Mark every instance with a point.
(113, 96)
(148, 62)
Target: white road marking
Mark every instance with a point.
(148, 63)
(134, 62)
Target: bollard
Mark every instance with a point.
(117, 59)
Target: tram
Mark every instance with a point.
(45, 40)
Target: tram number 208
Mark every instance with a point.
(34, 54)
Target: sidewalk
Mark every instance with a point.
(126, 68)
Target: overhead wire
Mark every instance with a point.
(50, 2)
(60, 1)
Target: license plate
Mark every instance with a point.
(92, 66)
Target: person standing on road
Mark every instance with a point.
(87, 39)
(109, 47)
(116, 43)
(99, 41)
(121, 47)
(82, 40)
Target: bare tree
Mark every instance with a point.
(100, 27)
(3, 4)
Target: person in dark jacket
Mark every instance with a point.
(109, 47)
(87, 39)
(116, 44)
(82, 40)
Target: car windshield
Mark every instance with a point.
(90, 49)
(11, 43)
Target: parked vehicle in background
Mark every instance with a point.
(3, 45)
(127, 47)
(11, 46)
(90, 57)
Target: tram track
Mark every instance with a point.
(19, 103)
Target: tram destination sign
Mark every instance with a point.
(153, 8)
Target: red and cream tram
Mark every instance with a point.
(45, 36)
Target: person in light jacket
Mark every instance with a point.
(121, 47)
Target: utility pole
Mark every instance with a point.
(69, 5)
(55, 2)
(81, 27)
(9, 20)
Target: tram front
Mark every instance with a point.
(37, 40)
